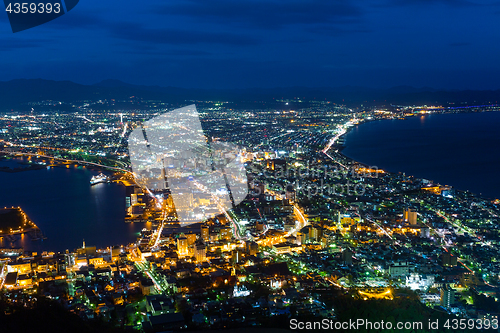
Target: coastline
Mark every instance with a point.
(340, 148)
(51, 215)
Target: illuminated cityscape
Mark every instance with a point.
(315, 228)
(250, 166)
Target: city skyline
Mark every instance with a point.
(244, 165)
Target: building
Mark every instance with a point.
(251, 248)
(290, 196)
(184, 201)
(276, 165)
(417, 281)
(315, 233)
(205, 233)
(301, 238)
(191, 238)
(410, 217)
(447, 296)
(289, 224)
(425, 232)
(449, 260)
(182, 246)
(236, 256)
(225, 233)
(11, 280)
(260, 226)
(347, 256)
(399, 269)
(200, 252)
(157, 305)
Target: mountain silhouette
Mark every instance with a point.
(16, 94)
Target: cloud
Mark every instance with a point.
(77, 19)
(11, 44)
(459, 44)
(265, 14)
(138, 33)
(452, 3)
(176, 53)
(333, 30)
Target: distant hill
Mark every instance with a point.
(16, 94)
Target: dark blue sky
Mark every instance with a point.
(452, 44)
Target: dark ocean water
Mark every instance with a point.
(67, 209)
(461, 150)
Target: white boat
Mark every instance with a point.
(100, 178)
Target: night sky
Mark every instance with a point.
(450, 44)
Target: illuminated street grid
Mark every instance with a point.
(313, 219)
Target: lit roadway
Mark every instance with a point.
(379, 226)
(3, 273)
(160, 286)
(443, 236)
(160, 229)
(236, 226)
(331, 143)
(66, 160)
(302, 219)
(470, 231)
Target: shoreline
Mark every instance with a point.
(352, 160)
(42, 231)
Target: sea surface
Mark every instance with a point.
(61, 202)
(461, 150)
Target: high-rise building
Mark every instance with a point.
(276, 164)
(251, 248)
(301, 238)
(205, 233)
(191, 238)
(184, 200)
(447, 296)
(236, 256)
(449, 260)
(347, 256)
(133, 199)
(200, 251)
(410, 217)
(225, 233)
(182, 246)
(315, 233)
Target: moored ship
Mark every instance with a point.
(100, 178)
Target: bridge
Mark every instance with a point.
(17, 153)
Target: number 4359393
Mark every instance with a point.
(32, 8)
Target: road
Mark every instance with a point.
(66, 160)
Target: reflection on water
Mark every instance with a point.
(452, 149)
(61, 202)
